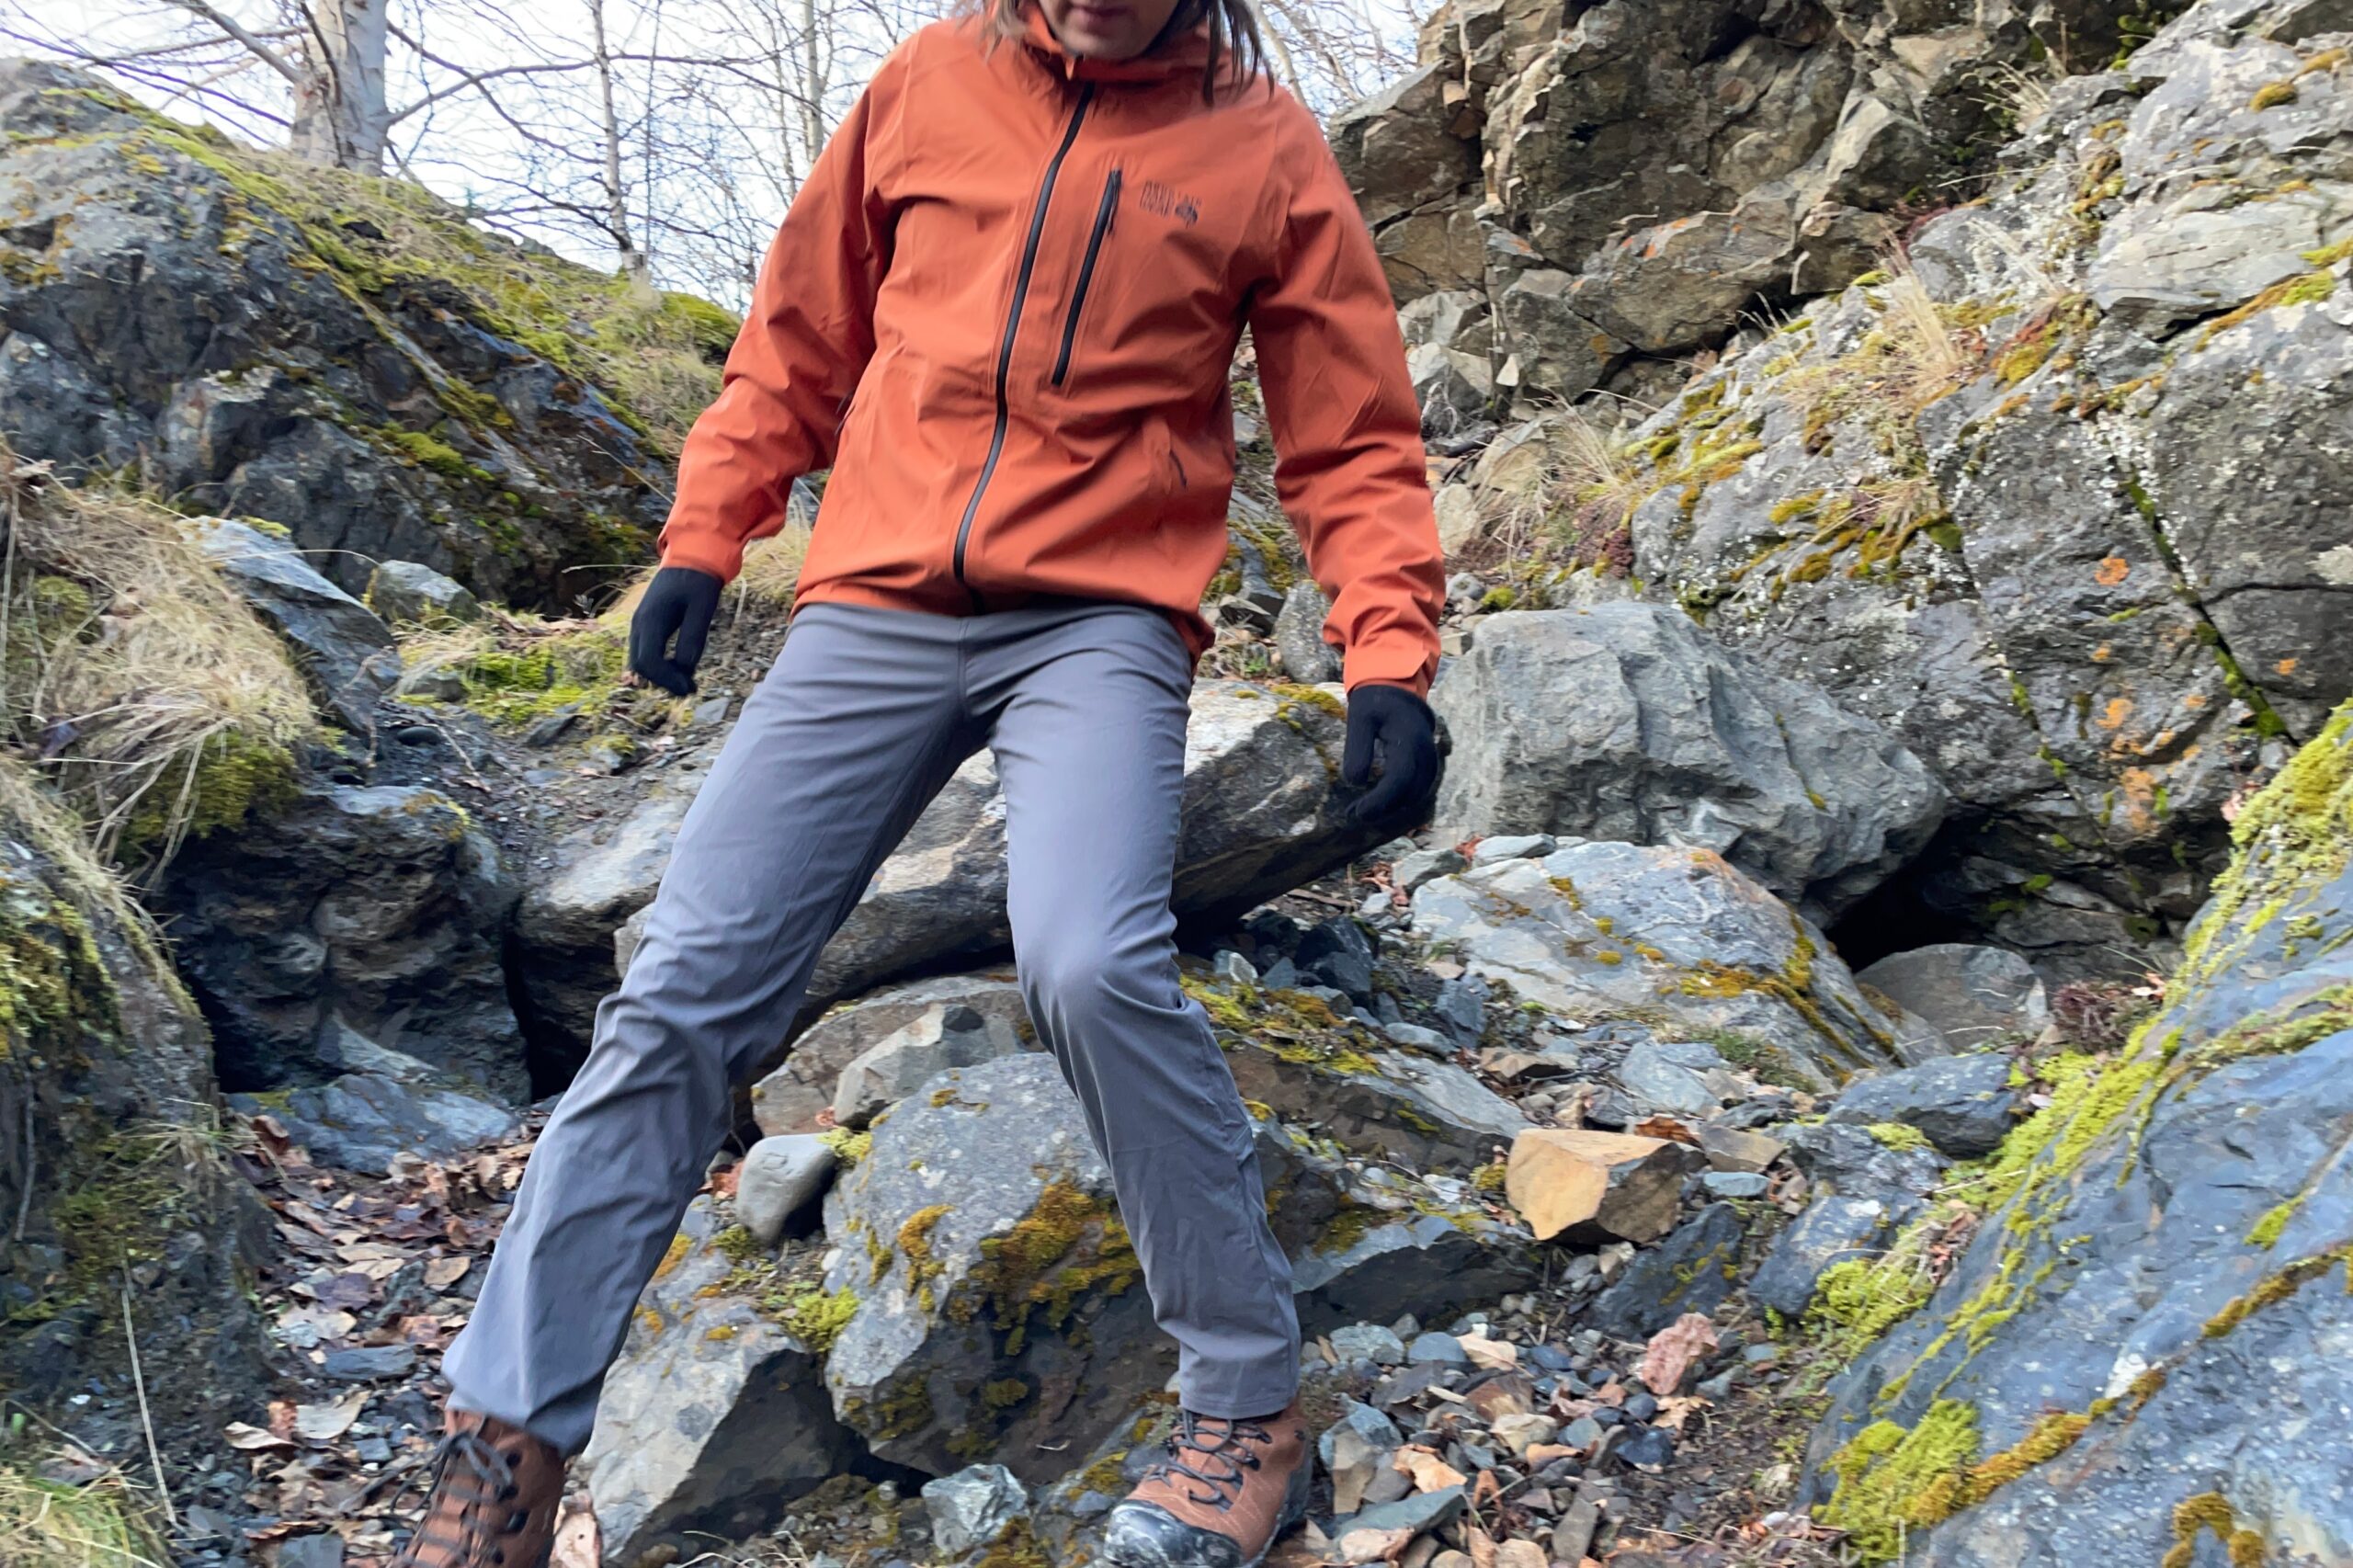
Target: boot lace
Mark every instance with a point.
(470, 1478)
(1211, 1452)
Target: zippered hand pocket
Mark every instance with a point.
(1104, 212)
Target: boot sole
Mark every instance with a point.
(1293, 1511)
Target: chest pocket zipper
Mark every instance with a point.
(1103, 215)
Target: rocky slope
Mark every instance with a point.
(1722, 1139)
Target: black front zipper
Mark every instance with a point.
(1013, 326)
(1086, 272)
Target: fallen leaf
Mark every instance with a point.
(1430, 1473)
(1485, 1489)
(1676, 1409)
(248, 1439)
(444, 1272)
(1665, 1126)
(1668, 1358)
(1492, 1354)
(1611, 1393)
(325, 1423)
(1541, 1454)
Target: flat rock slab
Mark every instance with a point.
(1596, 1186)
(361, 1120)
(792, 1098)
(1963, 1104)
(345, 649)
(1692, 1271)
(1832, 1230)
(1677, 939)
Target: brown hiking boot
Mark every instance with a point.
(1217, 1497)
(496, 1490)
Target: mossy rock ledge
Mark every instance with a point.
(2140, 1357)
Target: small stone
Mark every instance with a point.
(1518, 1433)
(1281, 975)
(1353, 1464)
(1641, 1407)
(1581, 1434)
(407, 591)
(1442, 1349)
(371, 1364)
(780, 1177)
(973, 1508)
(1423, 1511)
(1653, 1078)
(1414, 1036)
(1589, 1185)
(1731, 1149)
(1387, 1485)
(1647, 1447)
(1520, 1554)
(712, 711)
(1573, 1536)
(548, 731)
(1366, 1422)
(312, 1551)
(1513, 847)
(1368, 1342)
(1734, 1183)
(1234, 968)
(1413, 869)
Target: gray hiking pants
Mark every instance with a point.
(862, 720)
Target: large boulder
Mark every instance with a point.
(1673, 939)
(2139, 1353)
(999, 1303)
(1974, 995)
(1628, 721)
(260, 349)
(714, 1417)
(1259, 762)
(1961, 1103)
(108, 1124)
(375, 910)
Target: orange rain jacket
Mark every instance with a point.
(1004, 310)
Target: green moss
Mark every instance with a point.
(1897, 1135)
(1069, 1245)
(2293, 837)
(1489, 1178)
(817, 1319)
(738, 1245)
(848, 1147)
(1004, 1394)
(237, 777)
(1499, 598)
(2271, 95)
(579, 670)
(2277, 1286)
(2268, 1229)
(438, 456)
(1890, 1481)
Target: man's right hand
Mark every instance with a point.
(678, 603)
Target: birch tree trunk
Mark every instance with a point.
(341, 119)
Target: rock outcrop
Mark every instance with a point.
(1628, 722)
(268, 339)
(2045, 1402)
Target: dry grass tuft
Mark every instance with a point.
(153, 697)
(772, 566)
(102, 1523)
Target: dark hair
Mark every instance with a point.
(1237, 52)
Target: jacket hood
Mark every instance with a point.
(1184, 55)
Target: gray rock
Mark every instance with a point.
(1843, 1158)
(1410, 871)
(713, 1417)
(1961, 1104)
(380, 910)
(361, 1120)
(1693, 1271)
(1733, 1184)
(1627, 721)
(1832, 1230)
(1687, 940)
(245, 378)
(1375, 1101)
(1974, 995)
(369, 1364)
(343, 649)
(1375, 1428)
(1414, 1036)
(1422, 1512)
(407, 591)
(973, 1508)
(2168, 1270)
(323, 1550)
(1658, 1084)
(1258, 820)
(950, 1035)
(1512, 847)
(778, 1178)
(1370, 1342)
(790, 1098)
(1299, 647)
(1443, 1350)
(950, 1316)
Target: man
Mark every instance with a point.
(1003, 312)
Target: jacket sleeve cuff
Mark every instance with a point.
(1406, 665)
(721, 558)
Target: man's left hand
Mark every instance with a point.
(1391, 727)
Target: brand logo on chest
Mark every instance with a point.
(1167, 201)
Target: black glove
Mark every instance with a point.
(1391, 725)
(680, 602)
